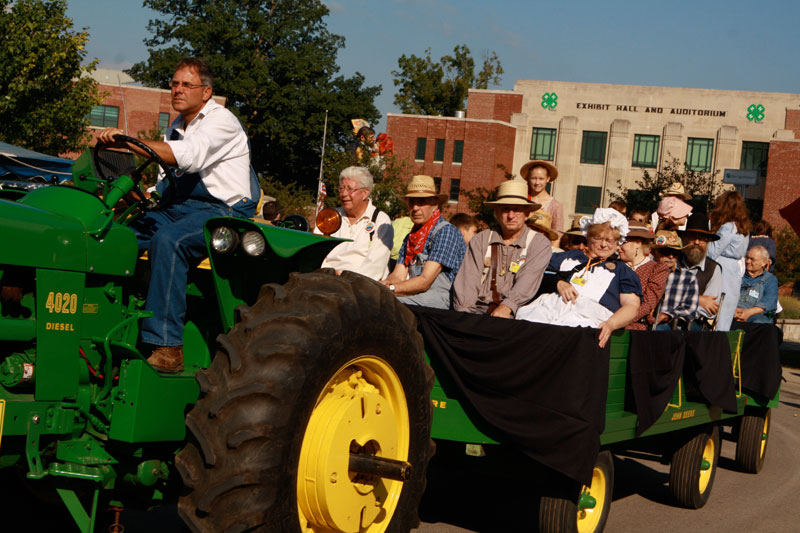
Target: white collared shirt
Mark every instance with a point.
(215, 146)
(368, 257)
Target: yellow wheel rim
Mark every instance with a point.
(362, 409)
(588, 519)
(764, 434)
(708, 455)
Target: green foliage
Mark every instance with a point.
(787, 258)
(292, 198)
(703, 186)
(476, 201)
(275, 62)
(791, 307)
(440, 88)
(45, 101)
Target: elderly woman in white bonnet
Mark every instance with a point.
(594, 289)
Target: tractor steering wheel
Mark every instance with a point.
(108, 169)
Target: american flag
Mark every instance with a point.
(322, 193)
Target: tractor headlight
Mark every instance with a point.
(223, 240)
(253, 243)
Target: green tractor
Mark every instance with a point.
(309, 400)
(305, 401)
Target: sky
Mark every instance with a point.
(723, 44)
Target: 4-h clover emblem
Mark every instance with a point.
(755, 112)
(549, 100)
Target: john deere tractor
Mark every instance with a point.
(304, 406)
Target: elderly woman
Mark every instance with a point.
(653, 276)
(593, 290)
(729, 220)
(758, 299)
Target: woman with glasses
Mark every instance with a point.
(592, 287)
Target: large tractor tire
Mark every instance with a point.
(589, 513)
(751, 444)
(693, 468)
(319, 371)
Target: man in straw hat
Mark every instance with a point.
(504, 266)
(681, 293)
(431, 254)
(696, 237)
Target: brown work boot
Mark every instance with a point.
(167, 359)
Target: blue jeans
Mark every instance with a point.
(174, 241)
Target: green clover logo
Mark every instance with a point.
(549, 100)
(755, 112)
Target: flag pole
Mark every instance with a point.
(321, 193)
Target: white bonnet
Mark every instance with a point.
(606, 214)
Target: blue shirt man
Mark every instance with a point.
(758, 299)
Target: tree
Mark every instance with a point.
(440, 88)
(703, 186)
(46, 96)
(275, 62)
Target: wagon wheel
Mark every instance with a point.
(693, 468)
(751, 444)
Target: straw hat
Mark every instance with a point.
(575, 228)
(542, 221)
(667, 239)
(523, 172)
(422, 186)
(676, 189)
(514, 192)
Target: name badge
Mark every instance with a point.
(514, 267)
(370, 227)
(578, 280)
(753, 293)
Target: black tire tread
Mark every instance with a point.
(684, 471)
(243, 444)
(748, 444)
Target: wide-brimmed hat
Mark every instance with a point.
(551, 168)
(676, 189)
(513, 192)
(542, 221)
(667, 239)
(673, 207)
(698, 223)
(639, 230)
(575, 228)
(422, 186)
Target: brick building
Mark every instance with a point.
(783, 173)
(602, 134)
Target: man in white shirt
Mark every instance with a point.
(370, 229)
(209, 149)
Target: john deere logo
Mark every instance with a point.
(549, 100)
(755, 113)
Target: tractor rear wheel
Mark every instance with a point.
(318, 371)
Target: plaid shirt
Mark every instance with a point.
(681, 295)
(446, 247)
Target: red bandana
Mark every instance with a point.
(416, 239)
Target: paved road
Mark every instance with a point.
(739, 502)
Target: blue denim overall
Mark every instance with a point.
(438, 295)
(173, 238)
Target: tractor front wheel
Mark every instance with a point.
(315, 414)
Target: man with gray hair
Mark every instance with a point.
(758, 299)
(369, 229)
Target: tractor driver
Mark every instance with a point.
(209, 148)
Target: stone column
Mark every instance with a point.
(618, 161)
(673, 144)
(568, 154)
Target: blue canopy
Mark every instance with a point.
(27, 164)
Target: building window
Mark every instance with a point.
(104, 116)
(543, 144)
(438, 183)
(645, 150)
(593, 149)
(163, 122)
(754, 156)
(587, 199)
(698, 154)
(420, 149)
(458, 152)
(455, 189)
(438, 151)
